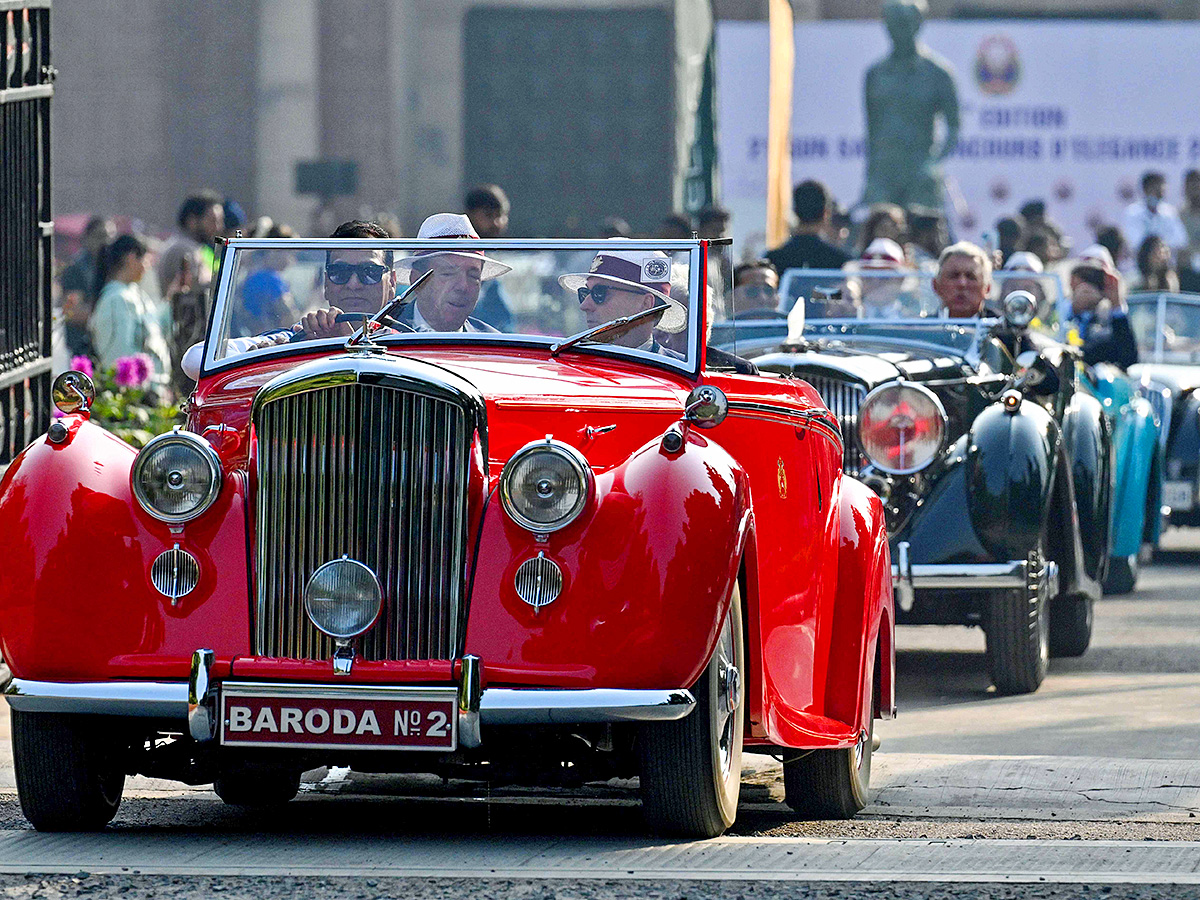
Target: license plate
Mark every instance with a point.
(366, 718)
(1178, 495)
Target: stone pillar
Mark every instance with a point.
(287, 127)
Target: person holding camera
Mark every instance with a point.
(1099, 320)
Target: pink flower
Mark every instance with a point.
(125, 373)
(82, 364)
(133, 371)
(143, 366)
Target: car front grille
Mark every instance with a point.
(377, 474)
(843, 399)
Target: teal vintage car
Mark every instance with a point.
(1137, 489)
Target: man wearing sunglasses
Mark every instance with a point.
(756, 291)
(356, 281)
(624, 283)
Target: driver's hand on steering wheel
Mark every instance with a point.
(323, 323)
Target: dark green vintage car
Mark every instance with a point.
(996, 475)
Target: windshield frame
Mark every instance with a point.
(1159, 301)
(221, 307)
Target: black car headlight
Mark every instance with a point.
(545, 486)
(176, 476)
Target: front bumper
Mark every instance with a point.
(194, 702)
(907, 576)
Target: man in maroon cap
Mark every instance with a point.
(626, 282)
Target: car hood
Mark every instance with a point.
(868, 362)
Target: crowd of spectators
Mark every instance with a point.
(124, 294)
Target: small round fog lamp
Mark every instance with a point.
(343, 598)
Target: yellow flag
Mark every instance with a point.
(779, 121)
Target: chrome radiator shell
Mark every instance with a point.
(843, 397)
(367, 456)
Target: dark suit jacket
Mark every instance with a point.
(471, 326)
(807, 251)
(1110, 342)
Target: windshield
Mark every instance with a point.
(883, 303)
(897, 293)
(281, 295)
(1166, 326)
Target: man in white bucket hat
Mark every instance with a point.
(445, 301)
(625, 282)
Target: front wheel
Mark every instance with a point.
(1122, 574)
(691, 770)
(831, 784)
(1071, 625)
(1018, 632)
(69, 774)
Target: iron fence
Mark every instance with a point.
(26, 229)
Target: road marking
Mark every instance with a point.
(757, 859)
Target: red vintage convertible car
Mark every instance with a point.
(392, 537)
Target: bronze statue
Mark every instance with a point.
(906, 92)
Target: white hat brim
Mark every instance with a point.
(673, 321)
(492, 268)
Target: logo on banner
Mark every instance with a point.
(997, 65)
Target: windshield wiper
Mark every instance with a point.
(369, 326)
(606, 327)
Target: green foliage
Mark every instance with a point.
(134, 414)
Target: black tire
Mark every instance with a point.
(69, 773)
(691, 769)
(1122, 574)
(831, 784)
(1070, 625)
(1018, 633)
(256, 787)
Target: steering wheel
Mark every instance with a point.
(359, 318)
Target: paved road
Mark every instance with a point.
(1101, 767)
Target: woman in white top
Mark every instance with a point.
(125, 320)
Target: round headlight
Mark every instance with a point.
(176, 477)
(1019, 308)
(343, 598)
(901, 427)
(545, 486)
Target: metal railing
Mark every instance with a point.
(26, 228)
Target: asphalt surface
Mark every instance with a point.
(979, 788)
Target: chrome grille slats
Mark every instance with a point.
(376, 473)
(843, 399)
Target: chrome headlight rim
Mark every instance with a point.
(937, 404)
(577, 462)
(208, 456)
(1020, 308)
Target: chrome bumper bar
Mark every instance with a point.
(907, 577)
(195, 701)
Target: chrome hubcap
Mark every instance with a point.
(727, 697)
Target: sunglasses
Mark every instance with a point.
(761, 291)
(600, 292)
(368, 273)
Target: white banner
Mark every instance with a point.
(1070, 112)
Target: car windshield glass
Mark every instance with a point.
(1167, 327)
(277, 295)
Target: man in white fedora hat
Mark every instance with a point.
(623, 283)
(445, 301)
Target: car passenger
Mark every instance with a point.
(360, 281)
(624, 283)
(1099, 317)
(963, 280)
(447, 299)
